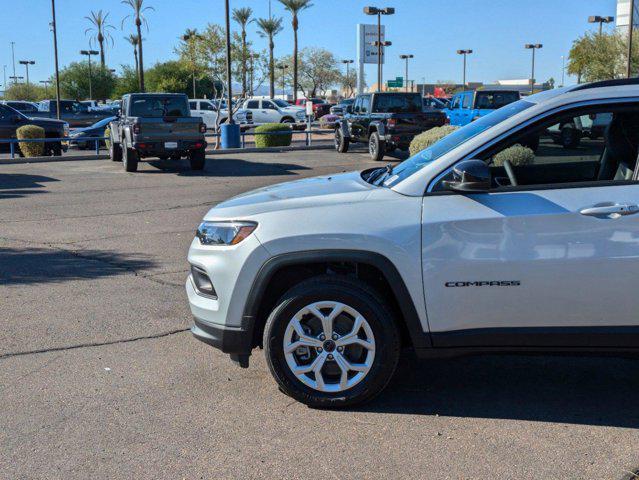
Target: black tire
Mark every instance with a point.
(163, 157)
(570, 137)
(197, 159)
(341, 142)
(376, 147)
(115, 152)
(130, 159)
(287, 120)
(366, 302)
(53, 149)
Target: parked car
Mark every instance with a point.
(446, 253)
(11, 120)
(466, 107)
(71, 111)
(207, 110)
(385, 121)
(320, 106)
(22, 106)
(81, 137)
(433, 102)
(273, 111)
(91, 104)
(340, 108)
(157, 125)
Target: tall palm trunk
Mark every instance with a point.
(271, 67)
(137, 66)
(101, 43)
(138, 24)
(295, 26)
(243, 62)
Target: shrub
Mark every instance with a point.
(276, 140)
(107, 135)
(31, 149)
(328, 121)
(517, 154)
(429, 137)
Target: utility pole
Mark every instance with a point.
(533, 47)
(600, 20)
(632, 21)
(406, 57)
(563, 70)
(464, 53)
(4, 73)
(26, 64)
(55, 52)
(348, 77)
(379, 43)
(229, 103)
(88, 53)
(13, 57)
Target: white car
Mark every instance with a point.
(207, 110)
(274, 111)
(455, 250)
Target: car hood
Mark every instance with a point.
(51, 122)
(309, 192)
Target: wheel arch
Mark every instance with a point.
(281, 272)
(376, 127)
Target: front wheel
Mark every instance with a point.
(197, 158)
(341, 142)
(331, 342)
(376, 147)
(287, 120)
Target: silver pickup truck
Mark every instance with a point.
(157, 125)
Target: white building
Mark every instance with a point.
(623, 16)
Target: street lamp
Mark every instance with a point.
(347, 63)
(282, 69)
(464, 53)
(46, 84)
(533, 47)
(600, 20)
(379, 44)
(88, 53)
(406, 57)
(55, 56)
(252, 58)
(187, 38)
(630, 25)
(15, 78)
(26, 64)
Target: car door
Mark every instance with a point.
(354, 119)
(270, 112)
(550, 262)
(7, 125)
(454, 111)
(254, 107)
(466, 114)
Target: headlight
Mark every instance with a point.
(74, 134)
(301, 114)
(224, 233)
(66, 129)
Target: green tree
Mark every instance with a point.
(175, 76)
(295, 7)
(138, 19)
(190, 38)
(32, 93)
(243, 17)
(74, 81)
(126, 82)
(318, 71)
(268, 28)
(99, 31)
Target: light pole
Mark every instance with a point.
(464, 53)
(379, 44)
(563, 70)
(13, 57)
(282, 69)
(55, 55)
(406, 57)
(533, 47)
(252, 58)
(600, 20)
(26, 64)
(229, 103)
(188, 38)
(88, 53)
(632, 21)
(46, 84)
(348, 77)
(4, 74)
(15, 78)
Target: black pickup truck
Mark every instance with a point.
(73, 112)
(11, 120)
(157, 125)
(385, 121)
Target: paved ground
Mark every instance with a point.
(99, 379)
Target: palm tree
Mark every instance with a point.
(295, 7)
(133, 40)
(269, 27)
(138, 18)
(243, 17)
(99, 31)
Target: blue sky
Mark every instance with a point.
(431, 30)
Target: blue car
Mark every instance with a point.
(468, 106)
(82, 136)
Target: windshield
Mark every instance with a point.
(281, 103)
(446, 144)
(159, 107)
(389, 103)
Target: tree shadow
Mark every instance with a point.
(226, 167)
(576, 390)
(41, 265)
(16, 185)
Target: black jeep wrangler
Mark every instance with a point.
(386, 121)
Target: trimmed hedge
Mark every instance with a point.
(31, 149)
(517, 154)
(276, 140)
(429, 137)
(328, 121)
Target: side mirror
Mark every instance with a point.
(349, 108)
(17, 119)
(470, 176)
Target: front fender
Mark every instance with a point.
(343, 126)
(379, 127)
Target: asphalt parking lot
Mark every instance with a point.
(99, 377)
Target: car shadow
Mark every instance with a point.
(226, 167)
(16, 185)
(41, 265)
(576, 390)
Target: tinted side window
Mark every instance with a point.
(455, 103)
(366, 104)
(206, 106)
(193, 105)
(467, 100)
(269, 105)
(253, 104)
(6, 113)
(358, 102)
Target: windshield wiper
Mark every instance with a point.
(379, 175)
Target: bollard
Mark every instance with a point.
(13, 149)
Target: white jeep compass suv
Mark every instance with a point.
(468, 246)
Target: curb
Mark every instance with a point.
(230, 151)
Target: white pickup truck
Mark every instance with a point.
(268, 110)
(208, 109)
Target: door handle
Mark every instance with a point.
(615, 210)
